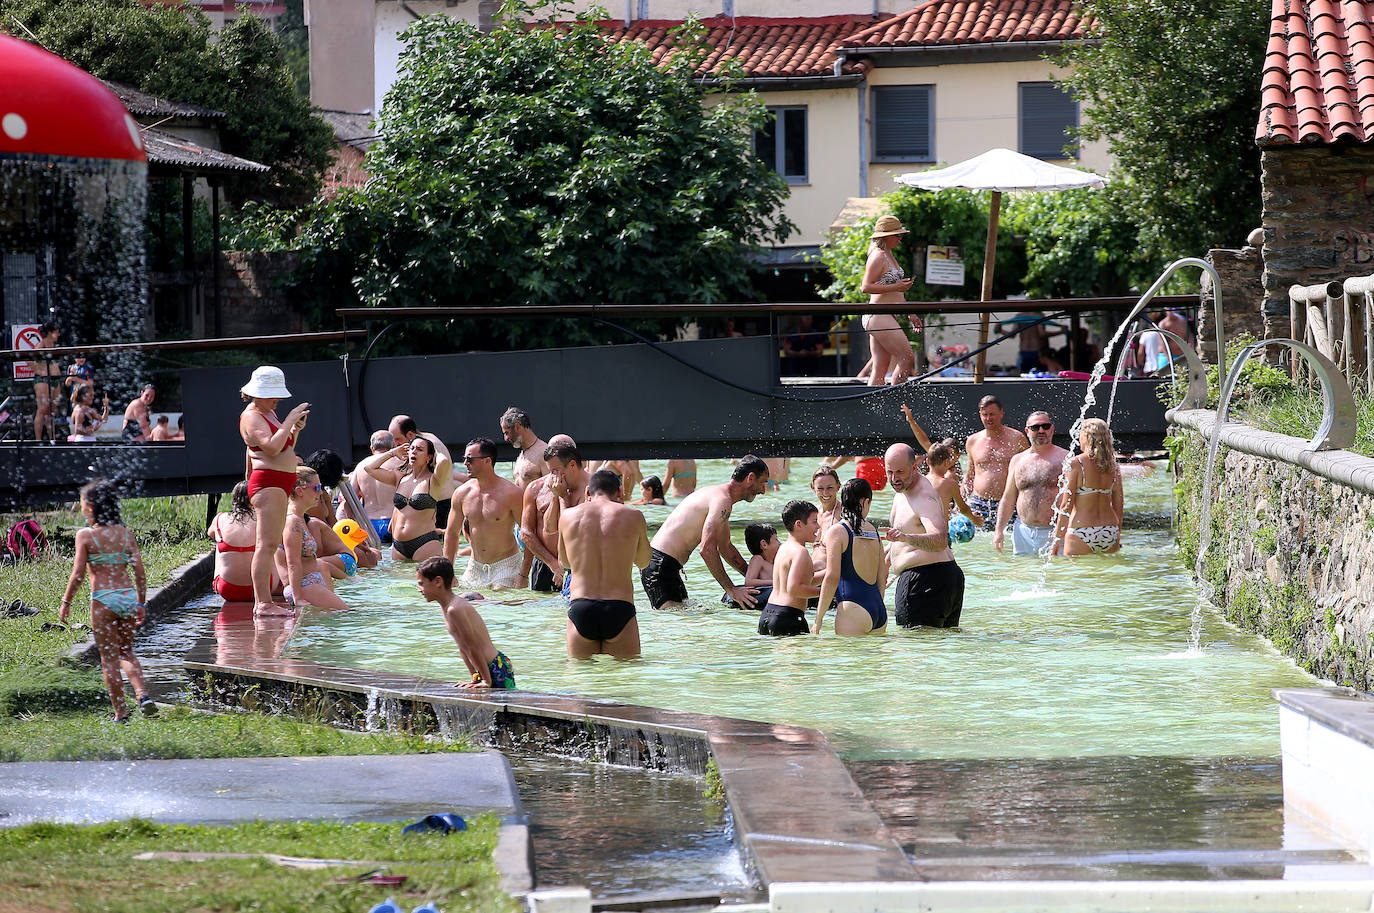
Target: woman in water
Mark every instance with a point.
(825, 483)
(413, 534)
(109, 551)
(86, 420)
(271, 471)
(306, 581)
(235, 534)
(885, 283)
(856, 567)
(1093, 501)
(650, 492)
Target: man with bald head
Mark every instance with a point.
(930, 584)
(1032, 488)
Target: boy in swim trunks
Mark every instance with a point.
(490, 667)
(794, 574)
(761, 539)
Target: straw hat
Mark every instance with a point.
(886, 227)
(267, 382)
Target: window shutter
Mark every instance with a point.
(1047, 113)
(901, 122)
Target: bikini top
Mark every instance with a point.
(222, 546)
(892, 276)
(1093, 491)
(309, 547)
(109, 558)
(274, 425)
(421, 501)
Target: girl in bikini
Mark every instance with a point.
(108, 550)
(86, 419)
(306, 582)
(414, 536)
(271, 474)
(1093, 501)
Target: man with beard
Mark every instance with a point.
(1032, 486)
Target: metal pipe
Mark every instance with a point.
(180, 345)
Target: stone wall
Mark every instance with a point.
(1318, 220)
(254, 296)
(1291, 556)
(1242, 298)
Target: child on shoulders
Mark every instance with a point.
(490, 667)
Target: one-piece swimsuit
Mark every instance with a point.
(853, 588)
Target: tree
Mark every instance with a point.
(174, 53)
(550, 164)
(1173, 85)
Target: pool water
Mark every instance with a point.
(1081, 658)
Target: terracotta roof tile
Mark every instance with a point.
(1318, 80)
(961, 22)
(764, 46)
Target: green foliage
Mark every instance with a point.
(173, 53)
(35, 688)
(1266, 540)
(1173, 86)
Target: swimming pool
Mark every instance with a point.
(1090, 661)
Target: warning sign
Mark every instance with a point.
(24, 336)
(944, 266)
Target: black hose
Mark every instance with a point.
(362, 374)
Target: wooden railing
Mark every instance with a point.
(1337, 319)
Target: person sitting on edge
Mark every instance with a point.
(930, 583)
(650, 492)
(1032, 487)
(540, 501)
(794, 574)
(491, 505)
(297, 558)
(703, 518)
(490, 668)
(604, 540)
(761, 539)
(680, 477)
(856, 572)
(989, 453)
(235, 533)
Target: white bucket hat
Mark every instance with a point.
(267, 382)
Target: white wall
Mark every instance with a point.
(392, 20)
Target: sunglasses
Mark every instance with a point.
(316, 487)
(1043, 426)
(469, 459)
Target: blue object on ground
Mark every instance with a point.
(426, 908)
(960, 529)
(442, 824)
(387, 906)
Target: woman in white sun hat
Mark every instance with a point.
(885, 283)
(271, 471)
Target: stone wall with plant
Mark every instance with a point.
(1291, 555)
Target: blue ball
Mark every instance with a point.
(960, 529)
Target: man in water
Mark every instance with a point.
(491, 505)
(604, 540)
(1032, 486)
(375, 494)
(566, 475)
(529, 459)
(136, 425)
(930, 583)
(989, 453)
(703, 518)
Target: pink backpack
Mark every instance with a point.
(26, 539)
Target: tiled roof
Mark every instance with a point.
(141, 104)
(941, 23)
(764, 46)
(1318, 84)
(352, 128)
(171, 150)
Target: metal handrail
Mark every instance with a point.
(1152, 293)
(182, 345)
(1196, 395)
(1338, 427)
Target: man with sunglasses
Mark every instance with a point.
(989, 454)
(1032, 486)
(491, 505)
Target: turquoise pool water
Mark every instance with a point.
(1084, 658)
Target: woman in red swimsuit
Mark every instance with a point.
(235, 533)
(271, 472)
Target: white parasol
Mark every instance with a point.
(999, 170)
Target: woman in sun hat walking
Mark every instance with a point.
(885, 283)
(271, 474)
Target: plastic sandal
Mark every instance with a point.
(147, 705)
(443, 824)
(387, 906)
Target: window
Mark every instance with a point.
(1048, 113)
(783, 143)
(902, 124)
(27, 282)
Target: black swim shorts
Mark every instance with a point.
(662, 579)
(600, 619)
(782, 621)
(930, 595)
(541, 577)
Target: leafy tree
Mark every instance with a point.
(542, 164)
(1173, 85)
(174, 53)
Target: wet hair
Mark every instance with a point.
(1100, 449)
(825, 471)
(990, 400)
(943, 453)
(79, 392)
(381, 440)
(437, 568)
(163, 420)
(103, 497)
(240, 505)
(564, 453)
(655, 486)
(755, 534)
(750, 465)
(603, 482)
(797, 511)
(433, 454)
(407, 426)
(328, 465)
(852, 495)
(516, 416)
(485, 447)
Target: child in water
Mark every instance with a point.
(761, 539)
(794, 577)
(490, 667)
(944, 474)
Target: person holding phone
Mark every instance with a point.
(86, 419)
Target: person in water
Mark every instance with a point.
(108, 550)
(761, 541)
(604, 540)
(989, 454)
(298, 558)
(680, 477)
(650, 492)
(1092, 503)
(794, 574)
(1031, 490)
(492, 507)
(489, 667)
(930, 583)
(856, 568)
(413, 534)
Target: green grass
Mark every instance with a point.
(91, 868)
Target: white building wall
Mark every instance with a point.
(392, 20)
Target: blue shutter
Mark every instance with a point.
(901, 123)
(1047, 114)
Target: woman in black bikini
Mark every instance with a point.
(414, 537)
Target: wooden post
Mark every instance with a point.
(989, 264)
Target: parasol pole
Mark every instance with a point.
(989, 263)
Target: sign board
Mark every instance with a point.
(24, 336)
(944, 266)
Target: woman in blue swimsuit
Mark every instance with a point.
(109, 551)
(856, 567)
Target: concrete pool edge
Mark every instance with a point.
(798, 814)
(1327, 740)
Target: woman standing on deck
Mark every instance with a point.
(271, 475)
(885, 283)
(1092, 501)
(414, 536)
